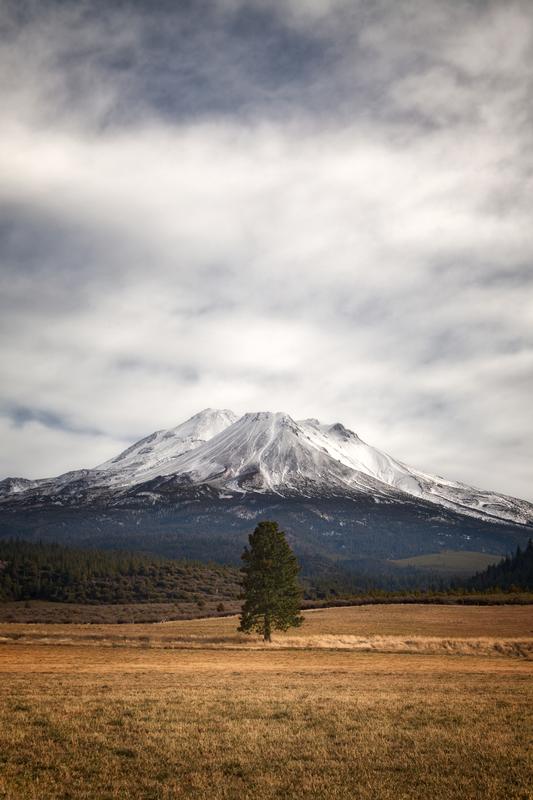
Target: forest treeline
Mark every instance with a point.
(61, 573)
(58, 573)
(511, 573)
(39, 571)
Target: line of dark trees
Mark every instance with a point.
(323, 579)
(40, 571)
(512, 573)
(58, 573)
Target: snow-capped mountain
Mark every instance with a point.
(269, 452)
(258, 454)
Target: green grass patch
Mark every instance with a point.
(451, 562)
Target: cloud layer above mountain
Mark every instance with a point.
(318, 206)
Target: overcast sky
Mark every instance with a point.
(316, 206)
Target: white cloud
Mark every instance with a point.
(371, 267)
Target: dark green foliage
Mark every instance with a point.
(38, 571)
(512, 573)
(322, 578)
(271, 592)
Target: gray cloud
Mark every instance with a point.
(320, 207)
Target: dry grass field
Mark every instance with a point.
(190, 710)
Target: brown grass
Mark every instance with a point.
(404, 621)
(99, 723)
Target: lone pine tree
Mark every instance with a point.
(271, 591)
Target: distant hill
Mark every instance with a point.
(513, 572)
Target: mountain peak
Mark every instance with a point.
(206, 423)
(156, 454)
(262, 451)
(257, 416)
(266, 418)
(344, 433)
(213, 412)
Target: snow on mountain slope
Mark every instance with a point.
(156, 454)
(267, 451)
(15, 486)
(348, 448)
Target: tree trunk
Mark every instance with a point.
(266, 629)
